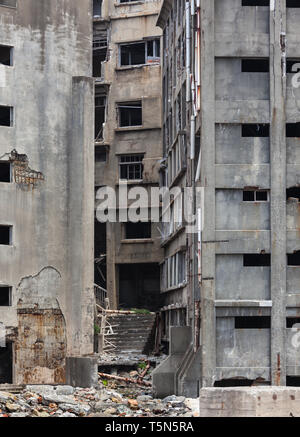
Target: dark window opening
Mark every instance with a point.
(130, 114)
(293, 192)
(5, 296)
(291, 321)
(289, 65)
(233, 383)
(255, 2)
(293, 130)
(5, 235)
(5, 172)
(140, 53)
(131, 167)
(139, 286)
(6, 55)
(255, 130)
(292, 4)
(133, 54)
(100, 46)
(293, 381)
(101, 155)
(97, 8)
(255, 65)
(293, 259)
(100, 116)
(5, 116)
(257, 260)
(6, 364)
(137, 230)
(100, 254)
(255, 196)
(126, 1)
(254, 322)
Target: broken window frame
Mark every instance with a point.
(129, 105)
(97, 7)
(9, 290)
(100, 103)
(132, 167)
(174, 271)
(148, 59)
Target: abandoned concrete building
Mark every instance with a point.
(231, 126)
(46, 189)
(128, 147)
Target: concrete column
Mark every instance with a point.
(207, 180)
(80, 292)
(111, 271)
(278, 190)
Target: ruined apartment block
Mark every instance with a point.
(46, 189)
(128, 148)
(231, 126)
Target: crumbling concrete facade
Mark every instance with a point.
(242, 130)
(46, 188)
(128, 147)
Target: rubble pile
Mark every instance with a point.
(65, 401)
(126, 392)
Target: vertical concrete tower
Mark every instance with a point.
(46, 187)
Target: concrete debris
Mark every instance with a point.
(109, 399)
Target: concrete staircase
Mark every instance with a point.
(12, 388)
(132, 333)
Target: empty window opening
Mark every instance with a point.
(137, 230)
(255, 65)
(293, 381)
(139, 286)
(6, 55)
(130, 114)
(257, 260)
(97, 8)
(293, 259)
(140, 53)
(255, 2)
(101, 155)
(293, 130)
(126, 1)
(291, 321)
(5, 296)
(290, 63)
(5, 116)
(6, 364)
(131, 167)
(5, 235)
(100, 52)
(292, 4)
(100, 116)
(252, 322)
(5, 171)
(233, 383)
(293, 192)
(255, 196)
(255, 130)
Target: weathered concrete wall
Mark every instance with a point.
(250, 402)
(51, 44)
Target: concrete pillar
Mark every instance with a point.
(80, 293)
(207, 180)
(278, 190)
